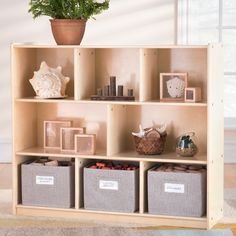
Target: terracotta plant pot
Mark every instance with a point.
(68, 32)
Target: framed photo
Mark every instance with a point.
(172, 86)
(68, 137)
(193, 94)
(52, 129)
(85, 144)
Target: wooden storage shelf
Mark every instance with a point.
(138, 68)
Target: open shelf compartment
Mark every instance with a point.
(25, 61)
(30, 130)
(94, 66)
(172, 60)
(123, 120)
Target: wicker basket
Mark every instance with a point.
(150, 145)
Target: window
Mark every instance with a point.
(201, 22)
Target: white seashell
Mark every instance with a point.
(175, 87)
(141, 132)
(49, 82)
(162, 129)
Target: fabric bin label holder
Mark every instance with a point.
(172, 186)
(44, 180)
(105, 184)
(108, 185)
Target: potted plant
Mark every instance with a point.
(68, 17)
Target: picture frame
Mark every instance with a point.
(85, 144)
(67, 137)
(172, 86)
(52, 129)
(193, 94)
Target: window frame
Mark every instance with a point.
(183, 38)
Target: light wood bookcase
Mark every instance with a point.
(89, 67)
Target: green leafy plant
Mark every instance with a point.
(67, 9)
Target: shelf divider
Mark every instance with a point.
(79, 175)
(84, 72)
(144, 166)
(148, 74)
(116, 129)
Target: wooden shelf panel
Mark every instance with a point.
(37, 100)
(165, 157)
(112, 213)
(72, 100)
(124, 156)
(40, 151)
(35, 45)
(135, 218)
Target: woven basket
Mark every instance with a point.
(150, 145)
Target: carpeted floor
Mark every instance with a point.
(229, 207)
(112, 231)
(11, 225)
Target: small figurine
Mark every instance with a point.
(109, 93)
(49, 82)
(185, 145)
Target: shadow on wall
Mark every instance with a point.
(127, 22)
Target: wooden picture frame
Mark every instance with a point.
(85, 144)
(193, 94)
(172, 86)
(52, 129)
(67, 137)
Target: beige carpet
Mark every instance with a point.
(229, 206)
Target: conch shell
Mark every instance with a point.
(49, 82)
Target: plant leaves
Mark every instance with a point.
(67, 9)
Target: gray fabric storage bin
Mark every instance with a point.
(50, 186)
(111, 190)
(177, 194)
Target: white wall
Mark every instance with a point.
(126, 22)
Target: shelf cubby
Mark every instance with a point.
(175, 60)
(27, 60)
(95, 66)
(123, 120)
(36, 113)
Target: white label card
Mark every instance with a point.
(44, 180)
(174, 188)
(110, 185)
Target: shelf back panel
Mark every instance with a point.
(59, 57)
(92, 117)
(26, 61)
(181, 60)
(179, 120)
(122, 63)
